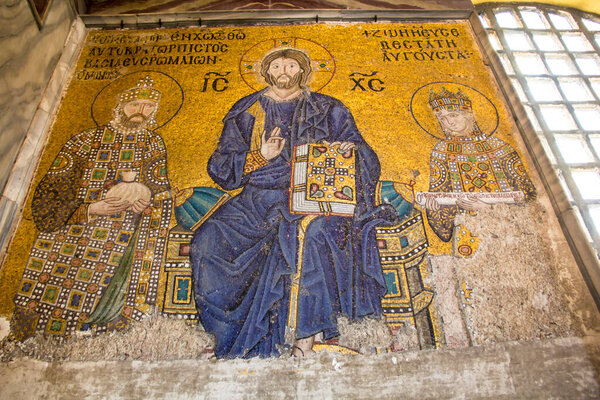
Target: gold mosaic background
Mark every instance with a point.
(416, 55)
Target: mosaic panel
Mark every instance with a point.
(169, 179)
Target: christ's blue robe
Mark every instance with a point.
(243, 256)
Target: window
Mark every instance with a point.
(552, 58)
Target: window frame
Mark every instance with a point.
(572, 210)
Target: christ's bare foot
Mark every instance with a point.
(303, 347)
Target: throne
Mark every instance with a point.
(408, 303)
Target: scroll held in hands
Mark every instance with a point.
(323, 180)
(450, 198)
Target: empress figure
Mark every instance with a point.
(469, 161)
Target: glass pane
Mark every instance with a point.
(596, 86)
(547, 149)
(591, 25)
(588, 183)
(518, 40)
(564, 185)
(506, 19)
(560, 64)
(484, 20)
(582, 223)
(595, 144)
(575, 90)
(558, 118)
(588, 117)
(573, 149)
(547, 42)
(533, 19)
(597, 38)
(530, 63)
(589, 65)
(576, 42)
(506, 64)
(595, 215)
(519, 90)
(534, 121)
(562, 21)
(494, 41)
(543, 90)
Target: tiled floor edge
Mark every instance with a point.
(548, 368)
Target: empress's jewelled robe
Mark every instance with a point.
(99, 270)
(245, 255)
(473, 164)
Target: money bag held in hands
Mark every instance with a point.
(129, 190)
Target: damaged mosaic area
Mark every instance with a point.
(154, 338)
(509, 295)
(161, 338)
(136, 213)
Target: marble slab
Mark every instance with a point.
(27, 61)
(253, 17)
(31, 99)
(162, 6)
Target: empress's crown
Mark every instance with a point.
(446, 100)
(144, 90)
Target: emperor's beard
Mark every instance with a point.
(125, 122)
(129, 123)
(290, 83)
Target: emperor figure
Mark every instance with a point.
(467, 160)
(102, 211)
(265, 276)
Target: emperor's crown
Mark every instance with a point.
(446, 100)
(144, 90)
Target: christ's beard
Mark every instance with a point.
(287, 84)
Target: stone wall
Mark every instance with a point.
(27, 61)
(34, 66)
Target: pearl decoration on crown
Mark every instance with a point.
(144, 90)
(447, 100)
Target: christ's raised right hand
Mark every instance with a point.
(271, 147)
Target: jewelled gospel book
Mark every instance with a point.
(323, 180)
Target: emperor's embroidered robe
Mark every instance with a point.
(85, 269)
